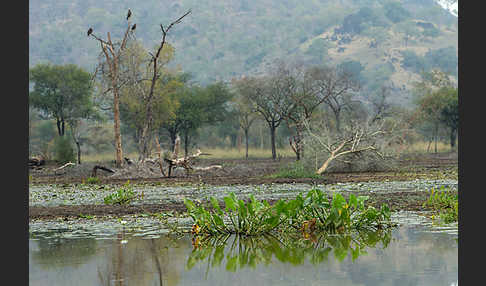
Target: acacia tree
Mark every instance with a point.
(335, 86)
(269, 96)
(305, 96)
(196, 106)
(436, 103)
(61, 92)
(244, 109)
(111, 73)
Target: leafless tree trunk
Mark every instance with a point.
(155, 76)
(112, 58)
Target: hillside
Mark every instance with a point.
(385, 41)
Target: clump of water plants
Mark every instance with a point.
(124, 195)
(444, 203)
(338, 215)
(93, 180)
(248, 218)
(305, 214)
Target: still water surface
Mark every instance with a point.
(415, 255)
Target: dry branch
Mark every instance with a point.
(65, 165)
(359, 139)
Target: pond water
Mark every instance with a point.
(412, 254)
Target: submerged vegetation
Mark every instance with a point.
(445, 203)
(309, 213)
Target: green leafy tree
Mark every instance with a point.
(245, 111)
(450, 112)
(271, 102)
(136, 96)
(62, 92)
(196, 106)
(437, 103)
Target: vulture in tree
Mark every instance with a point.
(90, 31)
(134, 27)
(129, 14)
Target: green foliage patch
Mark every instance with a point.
(63, 150)
(314, 211)
(123, 196)
(445, 203)
(295, 170)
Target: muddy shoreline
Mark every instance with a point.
(250, 173)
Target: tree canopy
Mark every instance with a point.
(62, 92)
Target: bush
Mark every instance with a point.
(63, 150)
(296, 170)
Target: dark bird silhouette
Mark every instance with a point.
(90, 31)
(134, 27)
(129, 14)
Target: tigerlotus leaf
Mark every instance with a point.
(230, 203)
(215, 204)
(189, 204)
(353, 201)
(338, 201)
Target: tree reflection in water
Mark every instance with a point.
(249, 251)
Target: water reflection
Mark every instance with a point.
(404, 256)
(241, 251)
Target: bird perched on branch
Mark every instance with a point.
(134, 27)
(90, 31)
(129, 14)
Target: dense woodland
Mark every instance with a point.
(234, 74)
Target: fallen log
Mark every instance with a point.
(95, 169)
(36, 162)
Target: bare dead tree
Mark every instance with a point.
(112, 55)
(156, 64)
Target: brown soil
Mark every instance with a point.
(253, 171)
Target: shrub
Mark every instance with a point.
(63, 150)
(296, 170)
